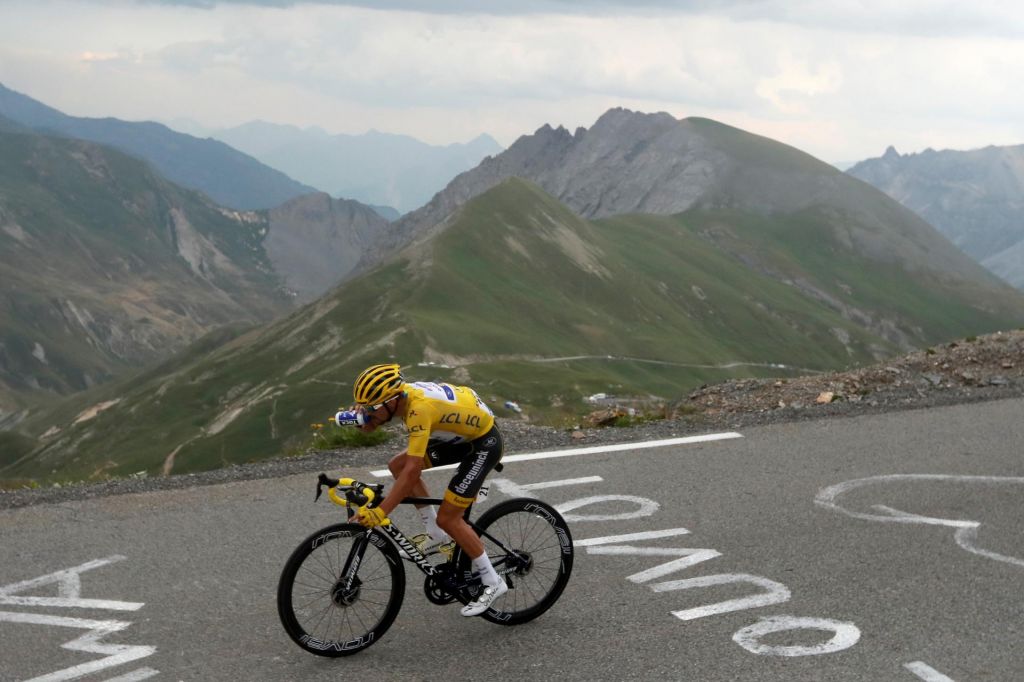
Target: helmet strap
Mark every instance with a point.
(391, 412)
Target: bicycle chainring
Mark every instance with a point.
(436, 586)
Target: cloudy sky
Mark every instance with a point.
(841, 79)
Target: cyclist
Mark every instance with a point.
(447, 425)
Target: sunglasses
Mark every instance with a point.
(368, 409)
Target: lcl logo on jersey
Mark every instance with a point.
(456, 418)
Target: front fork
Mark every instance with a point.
(355, 557)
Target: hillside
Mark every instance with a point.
(630, 162)
(975, 198)
(968, 370)
(107, 266)
(226, 175)
(527, 301)
(972, 370)
(374, 168)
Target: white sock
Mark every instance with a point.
(429, 516)
(482, 566)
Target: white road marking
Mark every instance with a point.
(69, 587)
(647, 507)
(105, 604)
(69, 590)
(966, 531)
(573, 452)
(513, 489)
(135, 675)
(116, 654)
(926, 672)
(844, 636)
(559, 484)
(690, 557)
(774, 593)
(629, 537)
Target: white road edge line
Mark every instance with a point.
(926, 672)
(573, 452)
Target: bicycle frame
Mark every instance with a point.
(399, 538)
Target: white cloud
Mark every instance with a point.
(796, 81)
(838, 78)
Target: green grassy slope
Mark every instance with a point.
(652, 305)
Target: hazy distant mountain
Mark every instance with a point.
(314, 241)
(226, 175)
(374, 168)
(9, 126)
(386, 212)
(718, 254)
(975, 198)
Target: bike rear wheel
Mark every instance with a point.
(340, 590)
(534, 557)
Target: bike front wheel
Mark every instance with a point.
(340, 590)
(530, 546)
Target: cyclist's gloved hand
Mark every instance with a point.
(371, 518)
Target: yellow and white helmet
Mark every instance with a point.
(378, 384)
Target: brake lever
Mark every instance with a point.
(320, 483)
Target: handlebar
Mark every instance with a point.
(360, 495)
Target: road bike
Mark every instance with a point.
(343, 587)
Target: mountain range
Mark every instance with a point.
(107, 266)
(644, 256)
(975, 198)
(226, 175)
(375, 168)
(629, 162)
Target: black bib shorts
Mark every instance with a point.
(475, 458)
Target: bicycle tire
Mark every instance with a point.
(310, 596)
(534, 529)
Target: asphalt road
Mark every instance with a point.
(872, 548)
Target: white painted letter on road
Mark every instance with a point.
(69, 588)
(774, 593)
(646, 507)
(844, 635)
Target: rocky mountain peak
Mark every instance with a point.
(891, 154)
(633, 162)
(620, 120)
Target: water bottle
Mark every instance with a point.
(349, 418)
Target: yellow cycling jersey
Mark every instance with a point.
(443, 412)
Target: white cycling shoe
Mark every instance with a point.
(484, 601)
